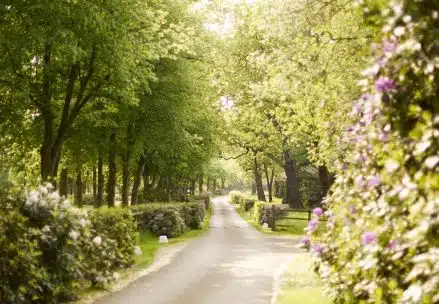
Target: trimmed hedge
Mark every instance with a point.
(264, 212)
(49, 248)
(236, 197)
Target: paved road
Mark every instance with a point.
(231, 264)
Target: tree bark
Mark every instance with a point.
(269, 179)
(325, 181)
(100, 188)
(293, 195)
(200, 184)
(277, 188)
(78, 188)
(95, 184)
(258, 181)
(193, 187)
(208, 183)
(253, 187)
(112, 171)
(223, 183)
(214, 185)
(125, 182)
(64, 183)
(137, 179)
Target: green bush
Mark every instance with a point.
(236, 197)
(23, 278)
(193, 215)
(204, 197)
(117, 224)
(247, 204)
(166, 218)
(49, 248)
(167, 221)
(258, 212)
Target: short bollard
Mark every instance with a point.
(163, 239)
(265, 226)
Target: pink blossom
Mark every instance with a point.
(369, 238)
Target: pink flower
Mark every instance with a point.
(318, 249)
(306, 241)
(369, 238)
(318, 211)
(373, 181)
(384, 84)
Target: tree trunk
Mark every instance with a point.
(325, 181)
(100, 188)
(95, 184)
(293, 195)
(253, 188)
(78, 188)
(258, 181)
(200, 185)
(63, 184)
(193, 187)
(277, 188)
(208, 183)
(137, 179)
(125, 181)
(269, 179)
(112, 171)
(214, 185)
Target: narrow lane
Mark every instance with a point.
(231, 264)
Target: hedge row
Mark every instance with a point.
(49, 248)
(171, 219)
(262, 212)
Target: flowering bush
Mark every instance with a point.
(171, 219)
(117, 227)
(382, 240)
(50, 248)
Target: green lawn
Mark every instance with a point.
(300, 284)
(294, 226)
(149, 243)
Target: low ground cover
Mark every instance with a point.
(300, 284)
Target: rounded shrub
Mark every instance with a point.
(193, 214)
(236, 197)
(382, 240)
(167, 221)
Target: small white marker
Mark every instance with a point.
(163, 239)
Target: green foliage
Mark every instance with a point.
(382, 245)
(258, 212)
(52, 248)
(117, 224)
(22, 275)
(236, 197)
(247, 204)
(167, 221)
(171, 219)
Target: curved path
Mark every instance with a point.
(231, 264)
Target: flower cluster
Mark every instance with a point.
(381, 245)
(68, 245)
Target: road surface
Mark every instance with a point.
(232, 263)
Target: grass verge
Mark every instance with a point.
(300, 284)
(149, 244)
